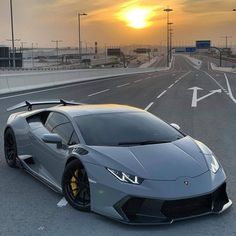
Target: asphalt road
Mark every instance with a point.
(27, 207)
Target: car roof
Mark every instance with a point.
(85, 109)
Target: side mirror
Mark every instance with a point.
(175, 126)
(53, 138)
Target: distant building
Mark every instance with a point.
(6, 58)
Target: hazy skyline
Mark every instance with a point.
(45, 20)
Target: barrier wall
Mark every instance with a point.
(15, 82)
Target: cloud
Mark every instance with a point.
(207, 7)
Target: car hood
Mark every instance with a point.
(167, 161)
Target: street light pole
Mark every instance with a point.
(57, 49)
(170, 38)
(226, 40)
(12, 36)
(168, 10)
(79, 31)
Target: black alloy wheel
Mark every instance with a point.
(75, 186)
(10, 148)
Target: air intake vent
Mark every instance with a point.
(81, 151)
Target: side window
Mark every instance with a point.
(59, 124)
(54, 119)
(74, 139)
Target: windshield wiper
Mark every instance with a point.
(143, 142)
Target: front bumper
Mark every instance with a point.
(157, 202)
(153, 211)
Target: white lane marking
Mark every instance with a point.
(215, 80)
(149, 106)
(195, 99)
(103, 91)
(176, 81)
(62, 202)
(40, 91)
(181, 77)
(122, 85)
(171, 86)
(136, 81)
(51, 89)
(229, 89)
(161, 94)
(147, 78)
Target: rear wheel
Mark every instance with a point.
(10, 148)
(75, 186)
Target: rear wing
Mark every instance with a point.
(30, 104)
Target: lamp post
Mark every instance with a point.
(13, 51)
(57, 49)
(226, 40)
(168, 10)
(79, 31)
(12, 36)
(170, 38)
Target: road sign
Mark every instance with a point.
(203, 44)
(191, 49)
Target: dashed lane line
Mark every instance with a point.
(103, 91)
(62, 202)
(161, 94)
(149, 106)
(123, 85)
(137, 81)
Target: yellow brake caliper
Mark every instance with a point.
(73, 183)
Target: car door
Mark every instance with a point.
(50, 156)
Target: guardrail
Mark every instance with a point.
(15, 82)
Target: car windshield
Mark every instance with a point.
(125, 129)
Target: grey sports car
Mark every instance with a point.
(117, 161)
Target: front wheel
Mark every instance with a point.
(10, 148)
(75, 186)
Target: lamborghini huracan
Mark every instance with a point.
(117, 161)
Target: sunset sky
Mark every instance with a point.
(118, 22)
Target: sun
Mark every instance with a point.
(137, 18)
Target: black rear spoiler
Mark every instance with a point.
(30, 104)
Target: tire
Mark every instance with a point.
(10, 148)
(75, 186)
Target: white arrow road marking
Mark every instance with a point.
(229, 89)
(195, 99)
(62, 202)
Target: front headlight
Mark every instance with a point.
(212, 163)
(211, 160)
(126, 178)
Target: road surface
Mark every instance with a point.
(30, 208)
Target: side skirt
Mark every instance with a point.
(39, 177)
